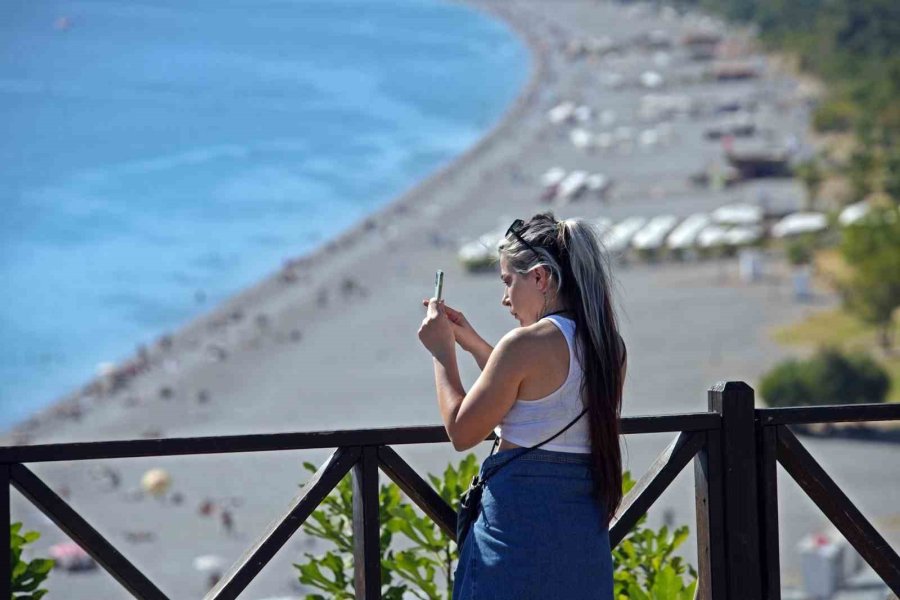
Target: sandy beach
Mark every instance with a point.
(328, 341)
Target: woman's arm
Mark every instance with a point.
(481, 351)
(470, 417)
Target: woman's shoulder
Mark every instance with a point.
(532, 337)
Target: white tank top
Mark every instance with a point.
(530, 422)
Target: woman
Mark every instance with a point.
(542, 529)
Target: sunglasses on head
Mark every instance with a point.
(517, 226)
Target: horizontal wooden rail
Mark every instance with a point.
(674, 423)
(269, 442)
(225, 444)
(844, 413)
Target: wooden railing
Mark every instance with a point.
(734, 448)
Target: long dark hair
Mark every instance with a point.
(573, 253)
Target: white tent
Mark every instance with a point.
(743, 235)
(799, 223)
(712, 236)
(685, 235)
(853, 213)
(738, 214)
(572, 185)
(653, 234)
(619, 237)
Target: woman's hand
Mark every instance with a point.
(463, 332)
(436, 331)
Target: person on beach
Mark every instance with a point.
(552, 392)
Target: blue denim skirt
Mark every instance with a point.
(539, 534)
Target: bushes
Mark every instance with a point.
(829, 377)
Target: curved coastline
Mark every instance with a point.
(368, 227)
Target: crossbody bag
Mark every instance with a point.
(470, 501)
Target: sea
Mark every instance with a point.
(157, 157)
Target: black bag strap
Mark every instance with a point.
(525, 451)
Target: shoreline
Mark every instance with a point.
(343, 242)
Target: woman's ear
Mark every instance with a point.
(542, 278)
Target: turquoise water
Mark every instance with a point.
(154, 150)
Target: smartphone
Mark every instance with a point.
(438, 284)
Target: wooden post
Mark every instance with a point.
(709, 502)
(5, 551)
(768, 511)
(734, 401)
(366, 527)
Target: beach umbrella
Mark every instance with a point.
(583, 113)
(651, 79)
(209, 563)
(598, 182)
(71, 557)
(561, 113)
(156, 481)
(649, 137)
(553, 176)
(580, 138)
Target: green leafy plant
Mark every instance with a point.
(27, 577)
(644, 563)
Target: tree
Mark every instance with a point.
(872, 249)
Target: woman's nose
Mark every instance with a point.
(505, 300)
